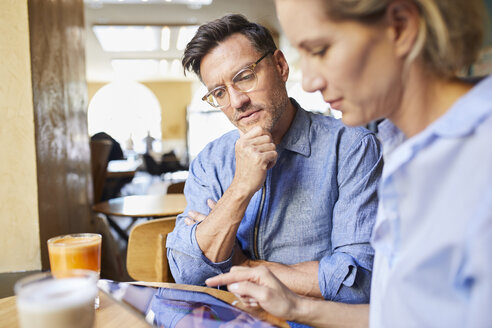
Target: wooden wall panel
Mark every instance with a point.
(57, 39)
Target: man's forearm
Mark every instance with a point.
(319, 313)
(255, 153)
(301, 278)
(216, 234)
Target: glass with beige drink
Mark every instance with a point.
(44, 301)
(75, 251)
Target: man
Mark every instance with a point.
(294, 191)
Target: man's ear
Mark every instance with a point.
(281, 64)
(403, 18)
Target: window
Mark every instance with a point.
(124, 110)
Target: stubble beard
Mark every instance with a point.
(274, 112)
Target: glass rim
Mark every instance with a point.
(96, 236)
(233, 84)
(42, 276)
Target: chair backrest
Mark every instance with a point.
(116, 151)
(99, 162)
(146, 257)
(176, 188)
(112, 266)
(151, 165)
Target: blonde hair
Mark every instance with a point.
(450, 33)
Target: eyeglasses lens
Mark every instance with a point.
(243, 81)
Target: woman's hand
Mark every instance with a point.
(258, 285)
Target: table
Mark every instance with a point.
(122, 168)
(140, 206)
(114, 315)
(110, 314)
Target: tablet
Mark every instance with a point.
(170, 308)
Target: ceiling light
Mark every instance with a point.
(127, 38)
(165, 38)
(186, 33)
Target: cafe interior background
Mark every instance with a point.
(73, 68)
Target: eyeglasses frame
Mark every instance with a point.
(251, 67)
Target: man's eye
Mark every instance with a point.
(244, 77)
(219, 93)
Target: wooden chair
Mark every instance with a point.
(99, 162)
(112, 266)
(176, 188)
(146, 258)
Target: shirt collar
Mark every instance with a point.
(467, 112)
(460, 120)
(297, 139)
(390, 136)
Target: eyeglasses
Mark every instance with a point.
(244, 81)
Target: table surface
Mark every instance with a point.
(114, 315)
(110, 314)
(122, 168)
(143, 206)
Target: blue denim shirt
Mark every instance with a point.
(318, 203)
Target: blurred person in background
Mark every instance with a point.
(399, 59)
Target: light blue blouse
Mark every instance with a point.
(433, 233)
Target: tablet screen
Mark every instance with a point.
(170, 308)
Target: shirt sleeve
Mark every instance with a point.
(187, 262)
(345, 274)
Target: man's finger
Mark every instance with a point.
(261, 139)
(195, 216)
(272, 163)
(253, 132)
(269, 158)
(189, 221)
(265, 148)
(211, 203)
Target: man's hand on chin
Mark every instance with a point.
(255, 153)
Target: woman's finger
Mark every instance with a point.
(237, 274)
(249, 292)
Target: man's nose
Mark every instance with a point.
(237, 99)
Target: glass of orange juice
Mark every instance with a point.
(75, 251)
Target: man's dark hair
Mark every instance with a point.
(210, 34)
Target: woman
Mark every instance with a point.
(398, 59)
